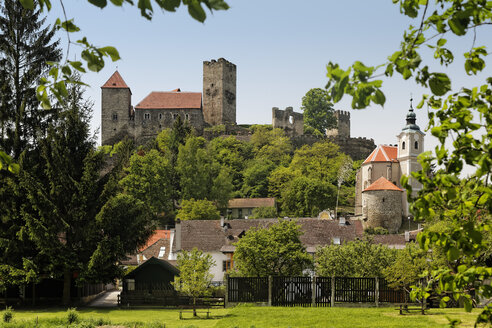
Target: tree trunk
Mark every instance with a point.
(33, 293)
(67, 279)
(194, 307)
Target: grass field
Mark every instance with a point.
(242, 317)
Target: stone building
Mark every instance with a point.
(159, 110)
(377, 200)
(288, 120)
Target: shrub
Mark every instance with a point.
(265, 212)
(376, 231)
(72, 315)
(8, 314)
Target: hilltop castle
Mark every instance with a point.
(216, 105)
(160, 109)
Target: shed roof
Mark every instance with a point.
(251, 202)
(162, 263)
(382, 184)
(171, 100)
(383, 153)
(116, 82)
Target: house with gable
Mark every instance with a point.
(217, 237)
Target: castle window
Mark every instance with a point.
(416, 145)
(160, 116)
(146, 116)
(115, 117)
(403, 145)
(187, 117)
(175, 116)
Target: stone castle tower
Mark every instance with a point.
(116, 109)
(343, 125)
(219, 92)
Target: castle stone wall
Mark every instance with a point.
(219, 92)
(356, 148)
(288, 120)
(382, 208)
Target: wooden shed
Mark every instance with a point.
(150, 283)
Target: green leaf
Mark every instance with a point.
(453, 253)
(169, 5)
(439, 83)
(457, 26)
(441, 42)
(69, 26)
(196, 11)
(99, 3)
(112, 52)
(379, 97)
(27, 4)
(146, 9)
(78, 66)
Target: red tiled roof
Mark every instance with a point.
(158, 234)
(115, 81)
(171, 100)
(383, 153)
(382, 184)
(251, 202)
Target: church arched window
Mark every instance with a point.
(416, 145)
(403, 145)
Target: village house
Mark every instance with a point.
(242, 208)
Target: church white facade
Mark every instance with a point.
(383, 202)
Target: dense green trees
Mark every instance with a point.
(200, 209)
(275, 250)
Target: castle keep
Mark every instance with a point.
(159, 110)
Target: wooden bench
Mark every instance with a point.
(198, 310)
(411, 308)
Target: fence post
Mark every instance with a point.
(270, 287)
(226, 296)
(332, 291)
(377, 291)
(313, 291)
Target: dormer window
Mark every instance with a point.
(403, 145)
(146, 116)
(416, 145)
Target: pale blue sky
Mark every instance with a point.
(281, 49)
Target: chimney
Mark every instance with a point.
(407, 236)
(342, 221)
(178, 235)
(222, 221)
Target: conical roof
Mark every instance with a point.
(115, 81)
(382, 184)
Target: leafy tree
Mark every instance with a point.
(148, 179)
(233, 154)
(461, 118)
(318, 110)
(265, 212)
(274, 250)
(200, 209)
(201, 177)
(25, 47)
(271, 144)
(359, 258)
(195, 277)
(256, 178)
(306, 197)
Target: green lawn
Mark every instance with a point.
(245, 317)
